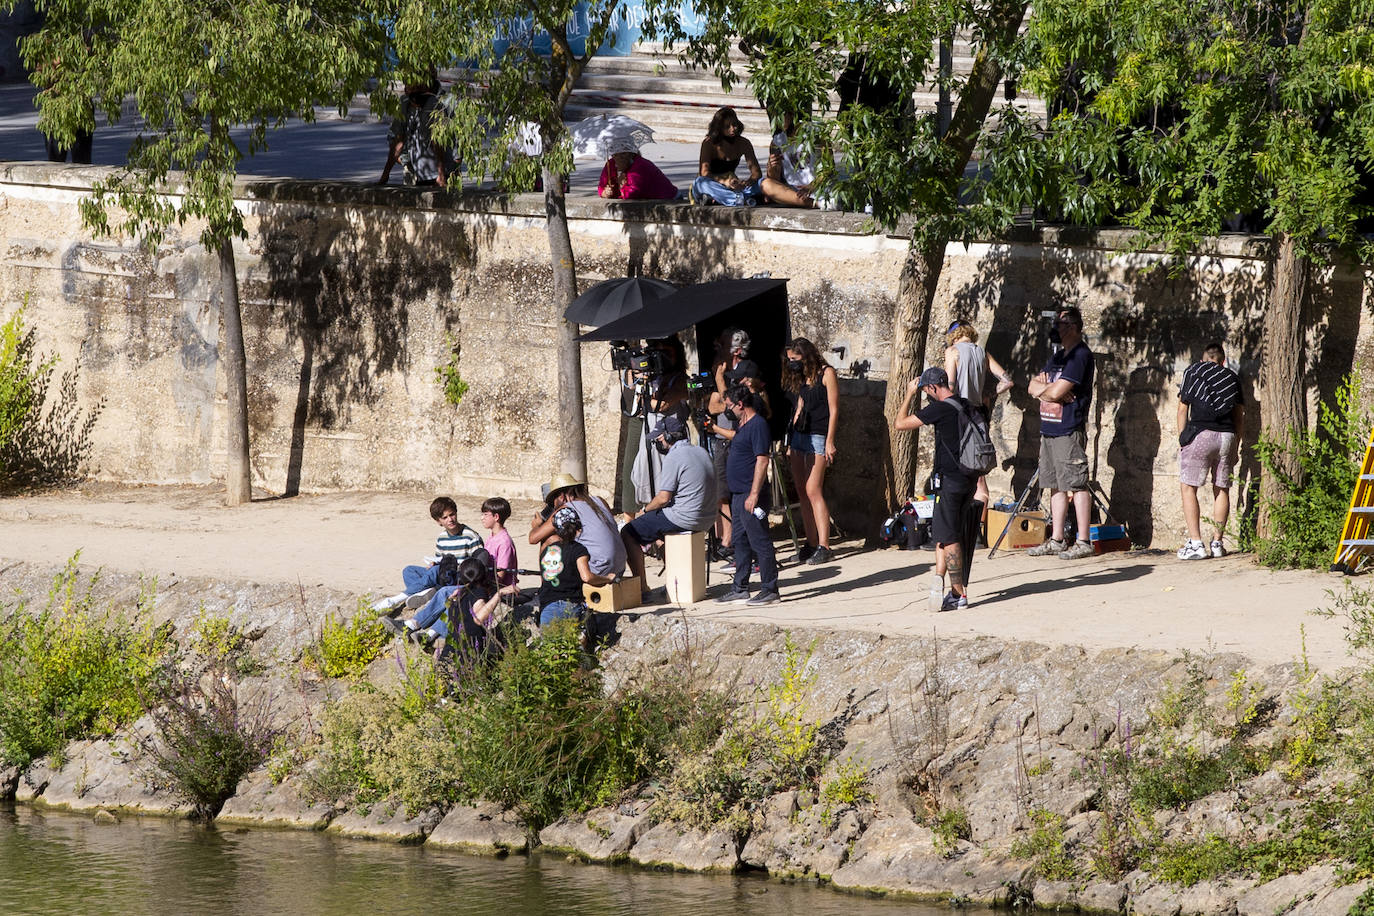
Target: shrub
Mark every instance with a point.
(1308, 517)
(38, 447)
(346, 647)
(219, 643)
(534, 730)
(206, 739)
(1045, 845)
(73, 670)
(950, 826)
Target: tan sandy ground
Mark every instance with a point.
(359, 541)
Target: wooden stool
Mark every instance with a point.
(684, 557)
(609, 599)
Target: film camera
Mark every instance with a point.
(699, 388)
(639, 360)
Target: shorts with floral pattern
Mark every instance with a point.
(1209, 451)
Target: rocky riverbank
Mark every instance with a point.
(983, 771)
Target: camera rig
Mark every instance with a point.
(639, 360)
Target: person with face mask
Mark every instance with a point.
(812, 382)
(686, 498)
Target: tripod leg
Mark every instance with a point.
(1020, 504)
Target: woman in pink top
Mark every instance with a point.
(629, 176)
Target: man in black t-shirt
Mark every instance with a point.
(954, 489)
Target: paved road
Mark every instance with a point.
(353, 149)
(359, 541)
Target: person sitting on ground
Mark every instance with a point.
(954, 490)
(721, 152)
(597, 531)
(495, 511)
(564, 567)
(967, 366)
(1211, 415)
(457, 540)
(787, 183)
(811, 441)
(686, 499)
(629, 176)
(470, 605)
(410, 140)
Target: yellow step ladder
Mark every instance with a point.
(1356, 547)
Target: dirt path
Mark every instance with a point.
(359, 541)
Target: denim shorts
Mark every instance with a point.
(559, 610)
(807, 443)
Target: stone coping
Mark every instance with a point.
(337, 193)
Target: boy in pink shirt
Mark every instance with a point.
(495, 511)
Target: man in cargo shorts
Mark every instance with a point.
(1210, 413)
(1065, 392)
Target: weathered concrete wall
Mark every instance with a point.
(352, 297)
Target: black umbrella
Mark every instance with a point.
(612, 299)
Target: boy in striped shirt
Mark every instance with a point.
(420, 581)
(1210, 418)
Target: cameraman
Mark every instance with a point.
(686, 499)
(647, 397)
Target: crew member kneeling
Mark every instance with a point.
(686, 498)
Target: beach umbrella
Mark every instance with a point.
(616, 298)
(601, 135)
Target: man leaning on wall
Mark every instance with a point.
(1210, 416)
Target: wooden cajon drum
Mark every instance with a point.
(610, 599)
(684, 557)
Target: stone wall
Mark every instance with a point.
(352, 297)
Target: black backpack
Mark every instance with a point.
(448, 570)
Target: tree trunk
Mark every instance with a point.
(925, 258)
(572, 434)
(238, 487)
(910, 327)
(1283, 408)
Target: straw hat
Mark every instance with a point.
(562, 482)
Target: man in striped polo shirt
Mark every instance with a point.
(1210, 418)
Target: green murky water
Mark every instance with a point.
(62, 863)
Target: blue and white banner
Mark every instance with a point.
(620, 41)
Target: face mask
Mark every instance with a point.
(795, 365)
(731, 415)
(661, 446)
(1054, 335)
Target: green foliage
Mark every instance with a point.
(1045, 845)
(449, 379)
(219, 643)
(193, 72)
(44, 436)
(206, 739)
(346, 647)
(1307, 519)
(849, 785)
(1176, 775)
(535, 731)
(950, 826)
(1317, 706)
(1189, 862)
(1173, 116)
(1185, 702)
(1363, 905)
(73, 670)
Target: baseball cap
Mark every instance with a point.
(671, 427)
(934, 376)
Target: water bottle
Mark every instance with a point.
(760, 514)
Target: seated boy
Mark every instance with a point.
(457, 540)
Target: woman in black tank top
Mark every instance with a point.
(811, 440)
(721, 152)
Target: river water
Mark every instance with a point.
(65, 863)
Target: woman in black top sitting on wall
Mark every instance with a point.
(721, 151)
(808, 378)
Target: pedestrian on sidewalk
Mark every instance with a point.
(1211, 414)
(746, 473)
(953, 488)
(1065, 392)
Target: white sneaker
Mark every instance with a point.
(420, 598)
(1218, 550)
(387, 605)
(1192, 550)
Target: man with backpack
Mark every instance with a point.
(962, 452)
(410, 140)
(1210, 415)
